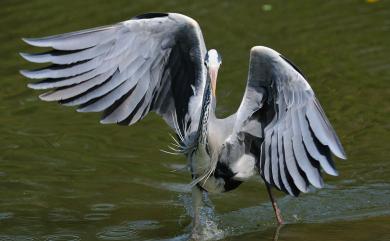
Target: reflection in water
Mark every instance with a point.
(277, 232)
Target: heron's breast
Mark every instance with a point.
(218, 132)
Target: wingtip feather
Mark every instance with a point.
(26, 40)
(105, 121)
(31, 74)
(47, 96)
(332, 172)
(33, 86)
(35, 42)
(24, 56)
(25, 73)
(341, 153)
(81, 110)
(34, 58)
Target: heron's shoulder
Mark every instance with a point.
(184, 19)
(170, 24)
(263, 51)
(177, 18)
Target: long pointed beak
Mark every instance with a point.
(213, 72)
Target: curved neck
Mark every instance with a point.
(207, 113)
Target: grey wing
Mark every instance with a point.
(284, 116)
(153, 62)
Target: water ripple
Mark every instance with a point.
(62, 214)
(103, 207)
(16, 238)
(6, 215)
(62, 237)
(128, 231)
(96, 216)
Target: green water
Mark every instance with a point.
(63, 176)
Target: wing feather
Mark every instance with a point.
(311, 147)
(60, 71)
(304, 163)
(290, 160)
(53, 83)
(66, 57)
(148, 63)
(281, 162)
(267, 162)
(323, 130)
(128, 106)
(297, 139)
(74, 90)
(274, 159)
(76, 40)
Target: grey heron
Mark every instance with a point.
(158, 62)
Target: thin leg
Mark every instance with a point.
(196, 206)
(277, 231)
(274, 205)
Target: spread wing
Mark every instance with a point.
(281, 115)
(153, 62)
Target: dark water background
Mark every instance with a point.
(63, 176)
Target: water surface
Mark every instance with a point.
(63, 176)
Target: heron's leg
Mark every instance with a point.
(277, 232)
(274, 205)
(197, 201)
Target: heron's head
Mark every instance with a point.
(212, 61)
